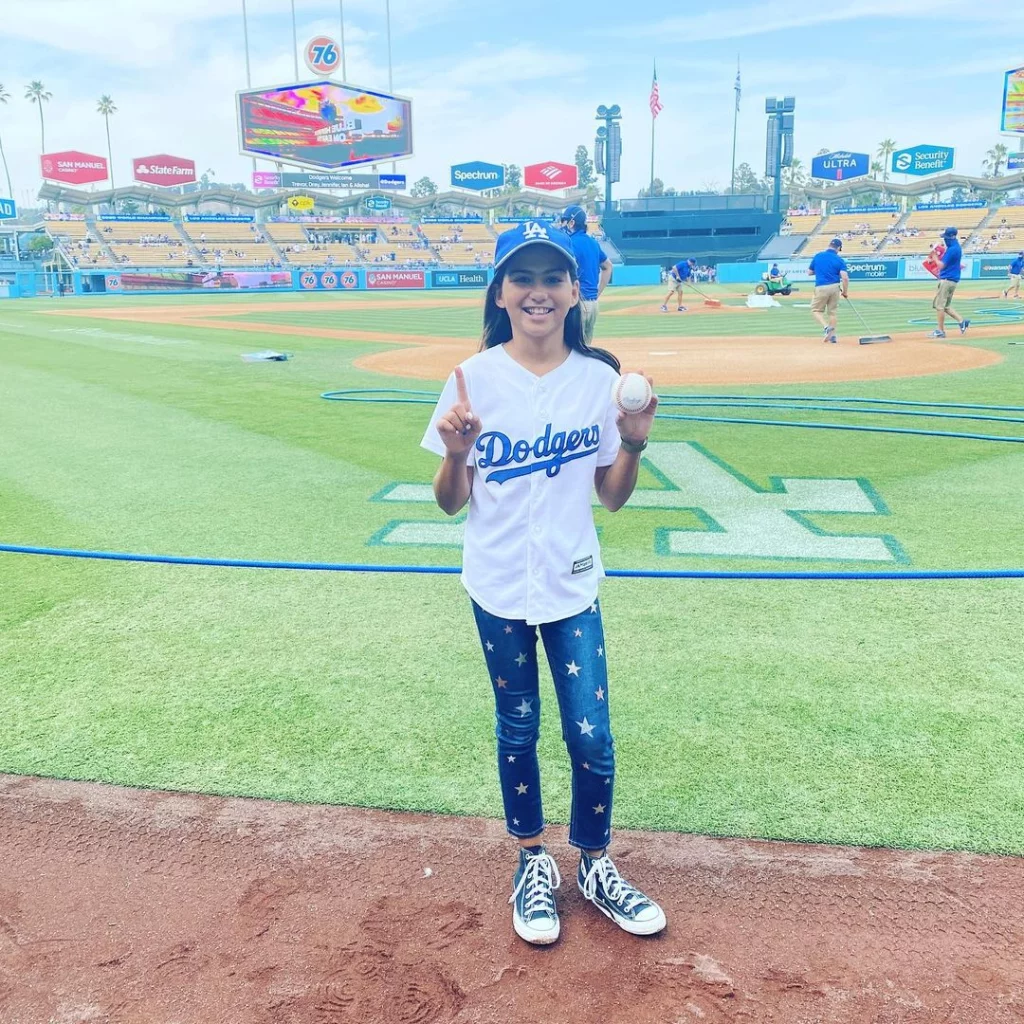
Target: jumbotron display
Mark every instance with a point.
(324, 124)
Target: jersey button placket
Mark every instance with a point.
(535, 534)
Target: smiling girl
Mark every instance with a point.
(528, 431)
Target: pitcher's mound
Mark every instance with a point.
(729, 359)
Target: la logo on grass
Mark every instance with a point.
(734, 517)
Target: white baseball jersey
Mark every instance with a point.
(530, 549)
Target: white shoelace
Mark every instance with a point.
(616, 888)
(540, 879)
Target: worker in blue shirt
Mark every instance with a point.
(1016, 269)
(831, 279)
(949, 278)
(678, 276)
(593, 266)
(775, 273)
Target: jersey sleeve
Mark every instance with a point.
(610, 440)
(842, 265)
(431, 438)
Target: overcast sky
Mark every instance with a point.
(521, 85)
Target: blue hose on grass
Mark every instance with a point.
(430, 398)
(450, 570)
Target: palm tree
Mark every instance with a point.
(877, 168)
(36, 93)
(106, 108)
(4, 97)
(794, 176)
(994, 159)
(886, 148)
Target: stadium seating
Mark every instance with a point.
(921, 229)
(78, 243)
(804, 224)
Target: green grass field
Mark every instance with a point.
(857, 712)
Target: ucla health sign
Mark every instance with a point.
(840, 166)
(923, 160)
(478, 175)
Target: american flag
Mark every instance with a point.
(655, 102)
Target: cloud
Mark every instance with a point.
(753, 20)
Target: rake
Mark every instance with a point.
(707, 301)
(868, 339)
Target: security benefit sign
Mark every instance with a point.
(840, 166)
(920, 160)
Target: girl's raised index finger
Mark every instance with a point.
(460, 387)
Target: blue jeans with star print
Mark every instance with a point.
(576, 657)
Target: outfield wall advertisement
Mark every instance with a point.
(902, 269)
(184, 280)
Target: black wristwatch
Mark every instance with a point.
(634, 449)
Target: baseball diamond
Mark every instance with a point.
(581, 536)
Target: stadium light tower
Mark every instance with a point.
(779, 148)
(608, 149)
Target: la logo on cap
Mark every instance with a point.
(535, 230)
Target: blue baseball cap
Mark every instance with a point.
(949, 233)
(532, 233)
(836, 243)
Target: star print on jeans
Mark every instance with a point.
(599, 809)
(599, 693)
(511, 758)
(508, 629)
(578, 633)
(525, 708)
(489, 645)
(586, 729)
(521, 660)
(501, 683)
(600, 652)
(573, 668)
(522, 788)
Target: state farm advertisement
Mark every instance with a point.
(70, 167)
(395, 279)
(550, 176)
(163, 170)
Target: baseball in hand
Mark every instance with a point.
(632, 393)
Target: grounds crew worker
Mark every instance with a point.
(831, 279)
(595, 269)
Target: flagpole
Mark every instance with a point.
(651, 190)
(654, 117)
(735, 118)
(248, 75)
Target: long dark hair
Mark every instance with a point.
(498, 327)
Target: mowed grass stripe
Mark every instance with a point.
(853, 713)
(778, 711)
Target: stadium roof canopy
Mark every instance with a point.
(325, 200)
